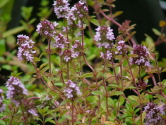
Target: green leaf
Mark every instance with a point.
(31, 80)
(13, 31)
(86, 75)
(43, 65)
(133, 97)
(121, 100)
(67, 116)
(7, 67)
(36, 59)
(113, 85)
(2, 122)
(95, 22)
(97, 92)
(26, 12)
(3, 2)
(116, 93)
(117, 13)
(49, 119)
(133, 55)
(158, 33)
(58, 84)
(164, 70)
(90, 2)
(161, 97)
(150, 43)
(2, 47)
(44, 70)
(164, 82)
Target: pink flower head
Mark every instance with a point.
(153, 113)
(71, 89)
(16, 90)
(61, 8)
(25, 51)
(46, 28)
(103, 36)
(142, 59)
(80, 10)
(60, 41)
(107, 55)
(121, 47)
(2, 105)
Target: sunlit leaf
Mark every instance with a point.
(95, 22)
(13, 31)
(117, 13)
(158, 33)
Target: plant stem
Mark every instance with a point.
(49, 55)
(72, 111)
(104, 82)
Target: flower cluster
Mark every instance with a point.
(142, 59)
(107, 55)
(153, 113)
(60, 41)
(16, 90)
(61, 8)
(67, 55)
(142, 84)
(46, 28)
(71, 89)
(103, 36)
(2, 105)
(121, 47)
(80, 10)
(25, 51)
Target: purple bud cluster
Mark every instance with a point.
(25, 51)
(153, 113)
(46, 28)
(71, 89)
(142, 59)
(16, 90)
(2, 105)
(104, 36)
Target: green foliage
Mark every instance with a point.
(103, 82)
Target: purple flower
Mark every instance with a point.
(60, 41)
(69, 54)
(142, 59)
(16, 90)
(46, 28)
(153, 113)
(61, 8)
(25, 51)
(104, 35)
(32, 112)
(107, 55)
(121, 47)
(71, 89)
(80, 10)
(2, 105)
